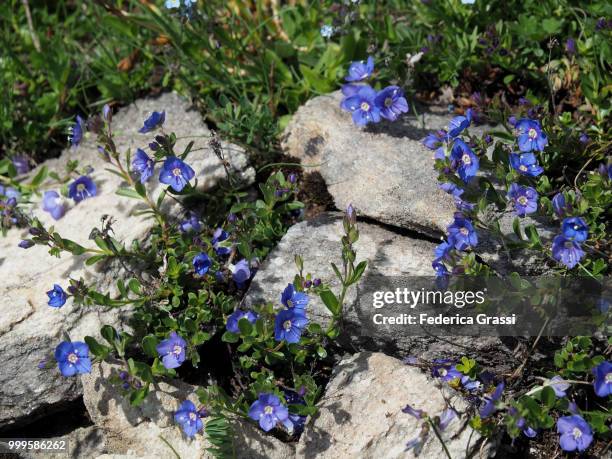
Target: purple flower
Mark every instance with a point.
(154, 120)
(560, 205)
(558, 384)
(530, 135)
(603, 379)
(176, 173)
(575, 433)
(470, 384)
(445, 370)
(435, 141)
(190, 224)
(201, 263)
(9, 192)
(240, 272)
(446, 417)
(218, 237)
(526, 164)
(489, 407)
(54, 204)
(443, 250)
(57, 297)
(188, 418)
(461, 233)
(82, 188)
(143, 165)
(268, 411)
(524, 199)
(291, 298)
(73, 358)
(529, 432)
(25, 244)
(575, 229)
(172, 351)
(21, 164)
(584, 138)
(391, 102)
(419, 414)
(363, 106)
(566, 251)
(439, 268)
(360, 70)
(234, 318)
(289, 324)
(464, 160)
(570, 46)
(459, 124)
(326, 31)
(76, 131)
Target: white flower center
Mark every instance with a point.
(177, 349)
(176, 171)
(523, 167)
(608, 378)
(192, 416)
(466, 159)
(576, 227)
(522, 200)
(287, 325)
(577, 433)
(80, 187)
(568, 245)
(73, 358)
(365, 106)
(289, 303)
(532, 133)
(443, 372)
(464, 231)
(268, 410)
(388, 102)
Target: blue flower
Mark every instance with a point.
(464, 160)
(391, 102)
(435, 142)
(360, 70)
(73, 358)
(443, 250)
(57, 296)
(201, 264)
(240, 272)
(524, 199)
(363, 106)
(445, 370)
(172, 351)
(446, 417)
(143, 165)
(154, 120)
(530, 135)
(529, 432)
(566, 251)
(218, 237)
(190, 224)
(575, 229)
(9, 192)
(291, 298)
(560, 205)
(289, 324)
(268, 411)
(188, 418)
(327, 31)
(526, 164)
(176, 173)
(459, 124)
(489, 407)
(22, 166)
(171, 4)
(461, 233)
(575, 433)
(54, 204)
(559, 386)
(439, 268)
(25, 244)
(82, 188)
(76, 131)
(234, 318)
(603, 379)
(419, 414)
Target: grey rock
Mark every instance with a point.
(29, 329)
(80, 443)
(383, 169)
(137, 431)
(360, 414)
(390, 255)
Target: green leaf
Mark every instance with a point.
(246, 328)
(134, 286)
(149, 345)
(230, 337)
(73, 247)
(358, 272)
(39, 177)
(128, 193)
(99, 350)
(331, 301)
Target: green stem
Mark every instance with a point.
(435, 429)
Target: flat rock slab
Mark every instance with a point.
(383, 169)
(137, 431)
(360, 414)
(29, 328)
(389, 255)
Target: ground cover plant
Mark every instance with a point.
(538, 71)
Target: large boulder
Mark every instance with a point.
(29, 329)
(150, 431)
(360, 414)
(391, 256)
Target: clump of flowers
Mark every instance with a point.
(366, 104)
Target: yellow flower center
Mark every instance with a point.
(177, 349)
(532, 133)
(365, 106)
(268, 410)
(176, 171)
(73, 358)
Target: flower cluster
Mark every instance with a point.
(566, 247)
(365, 103)
(291, 321)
